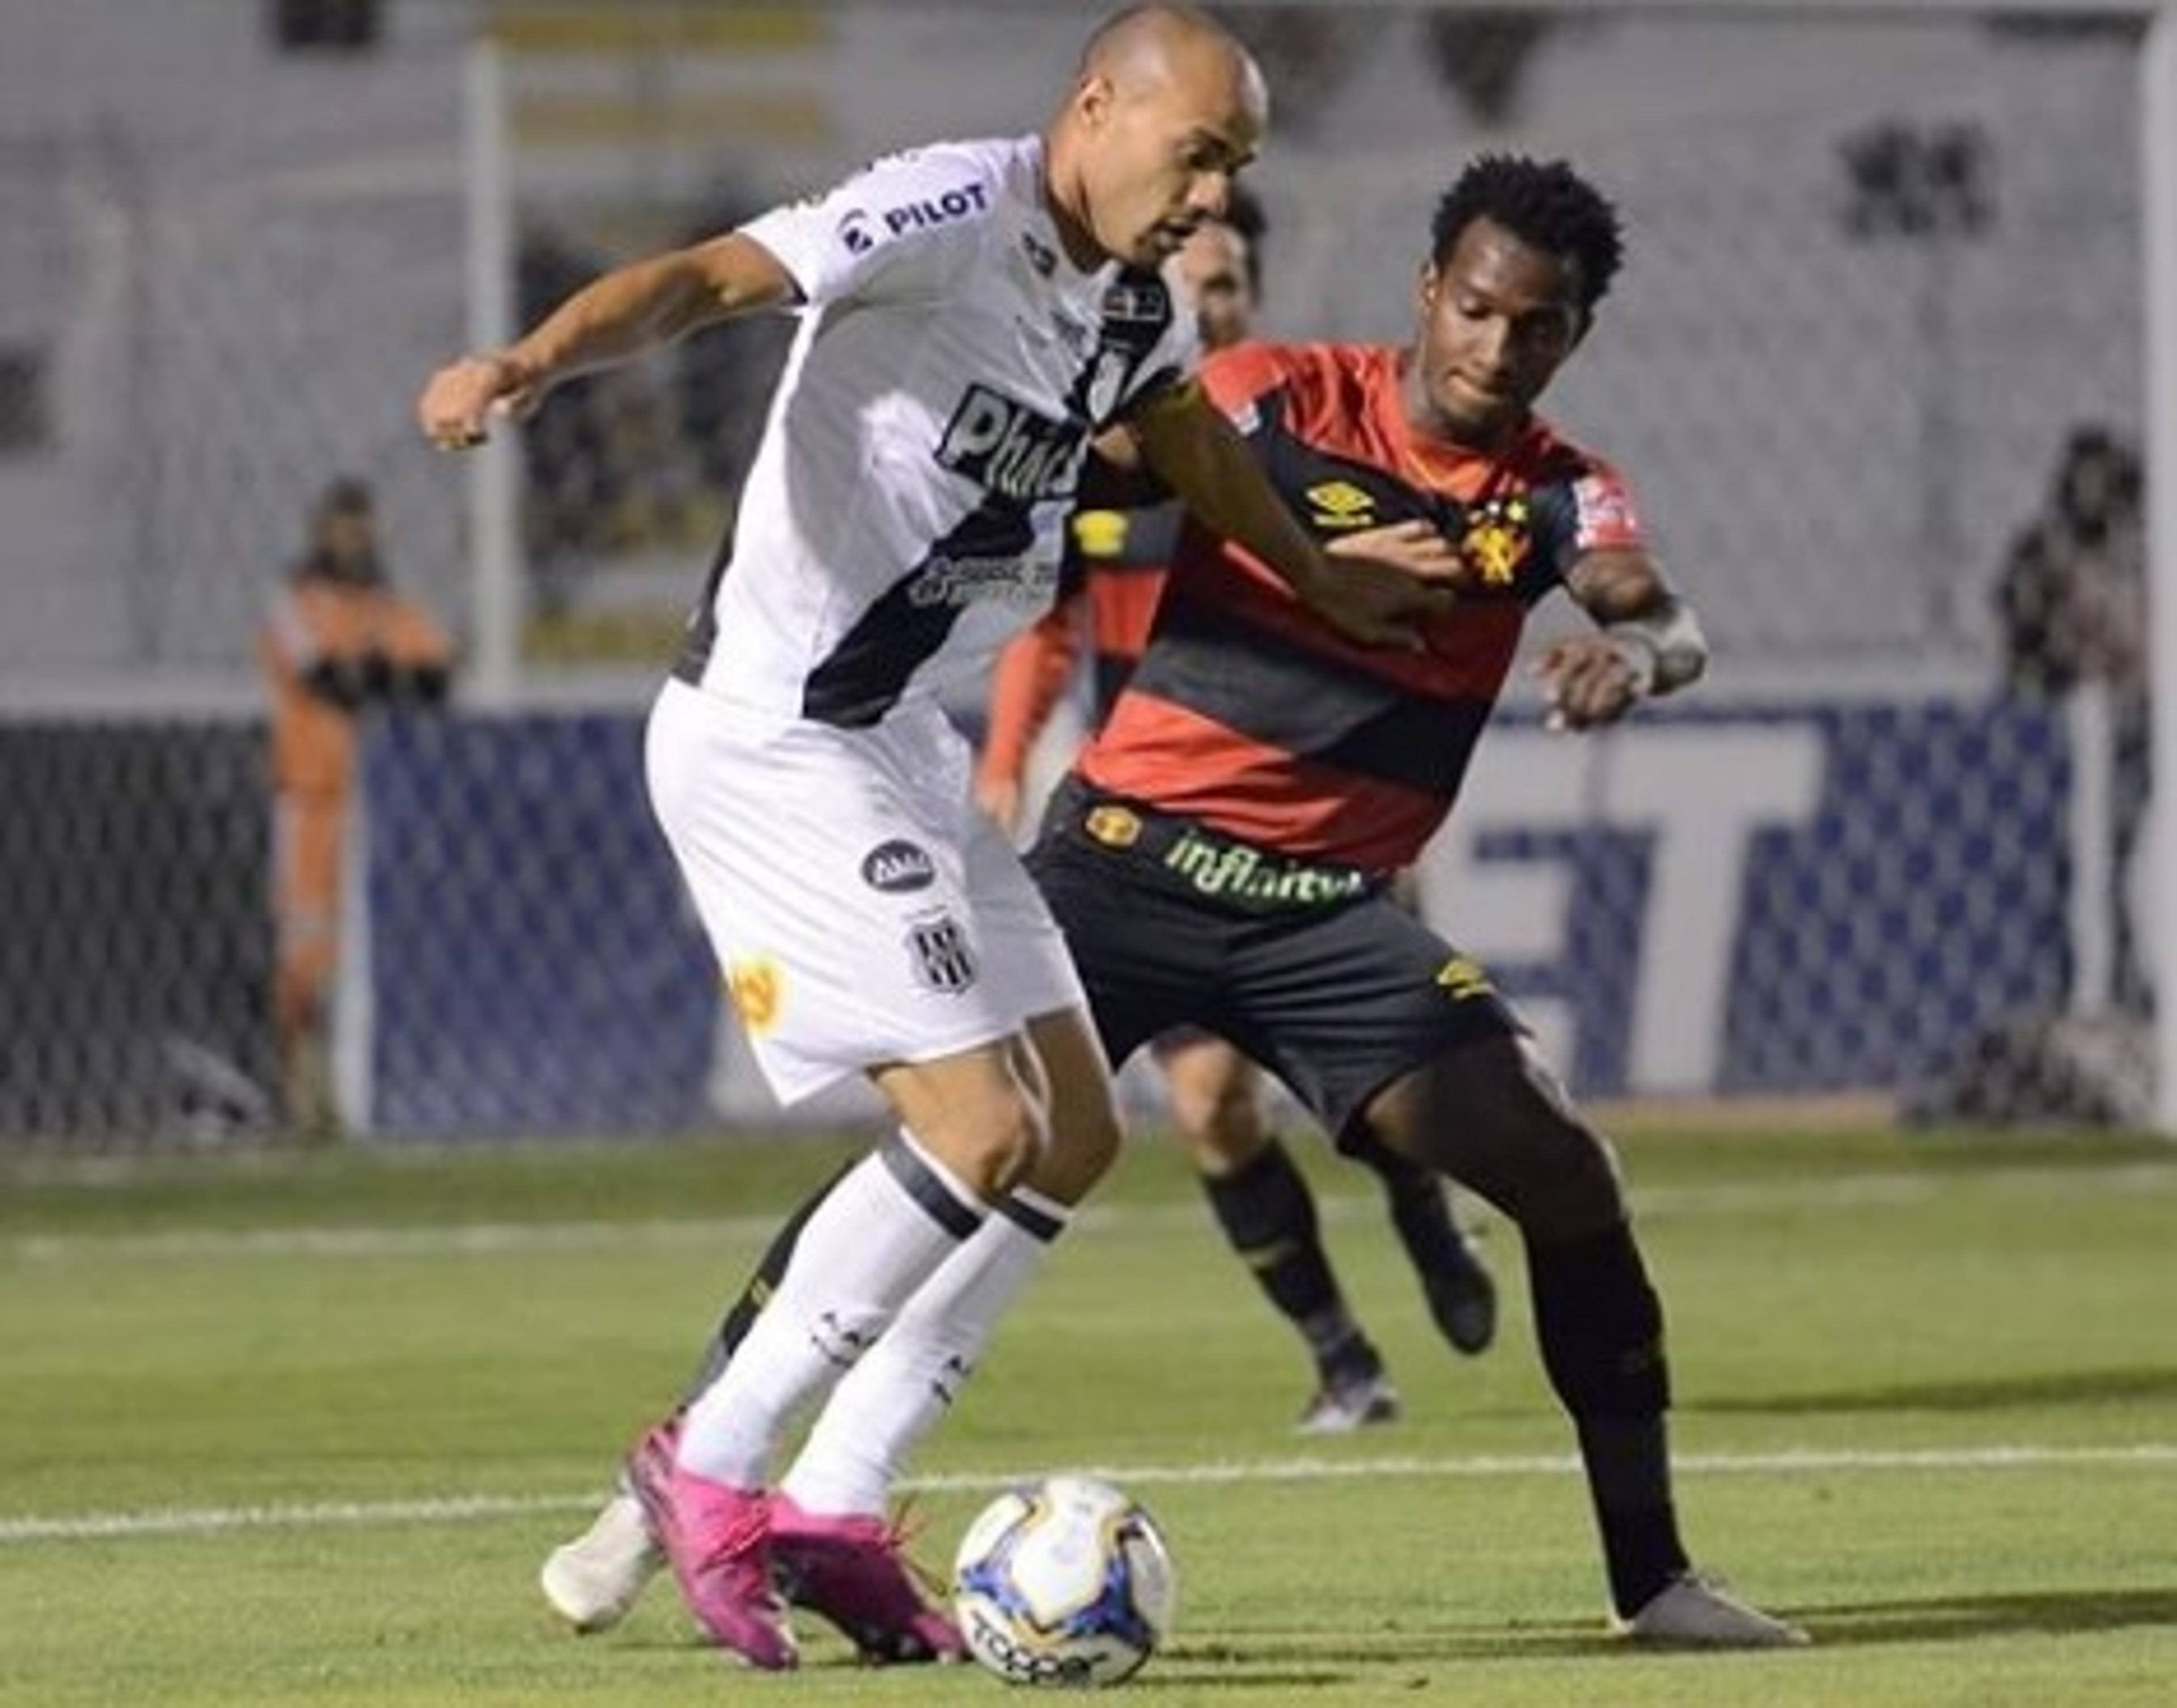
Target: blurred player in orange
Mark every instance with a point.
(340, 639)
(1119, 545)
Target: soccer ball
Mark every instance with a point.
(1063, 1582)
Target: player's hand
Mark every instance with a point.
(1387, 582)
(462, 399)
(1590, 680)
(1001, 798)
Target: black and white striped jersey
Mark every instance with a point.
(906, 510)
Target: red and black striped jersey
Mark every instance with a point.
(1250, 714)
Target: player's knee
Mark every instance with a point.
(1494, 1115)
(1218, 1118)
(1566, 1173)
(996, 1144)
(1084, 1141)
(1570, 1187)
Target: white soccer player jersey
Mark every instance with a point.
(906, 509)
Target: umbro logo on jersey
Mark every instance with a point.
(1041, 255)
(1008, 448)
(1339, 504)
(1463, 978)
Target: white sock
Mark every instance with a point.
(878, 1236)
(894, 1397)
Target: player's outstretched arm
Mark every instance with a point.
(628, 311)
(1378, 598)
(1650, 641)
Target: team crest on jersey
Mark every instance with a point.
(1498, 539)
(755, 988)
(943, 957)
(1339, 504)
(1041, 255)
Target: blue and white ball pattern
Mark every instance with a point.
(1065, 1582)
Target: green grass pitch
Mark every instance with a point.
(297, 1429)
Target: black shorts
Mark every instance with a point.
(1337, 1001)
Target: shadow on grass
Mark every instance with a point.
(1338, 1657)
(1304, 1661)
(1334, 1656)
(1948, 1619)
(1997, 1393)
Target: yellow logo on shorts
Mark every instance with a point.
(1114, 827)
(1463, 978)
(754, 987)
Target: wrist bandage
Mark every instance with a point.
(1666, 649)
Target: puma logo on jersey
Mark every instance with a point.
(1008, 448)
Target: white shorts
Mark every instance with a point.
(865, 910)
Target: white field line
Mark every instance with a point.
(463, 1508)
(487, 1239)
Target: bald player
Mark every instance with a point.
(972, 313)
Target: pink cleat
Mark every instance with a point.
(853, 1570)
(716, 1539)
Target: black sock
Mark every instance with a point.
(1600, 1327)
(756, 1293)
(1268, 1217)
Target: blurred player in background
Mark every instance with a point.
(1221, 855)
(973, 313)
(1118, 550)
(340, 640)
